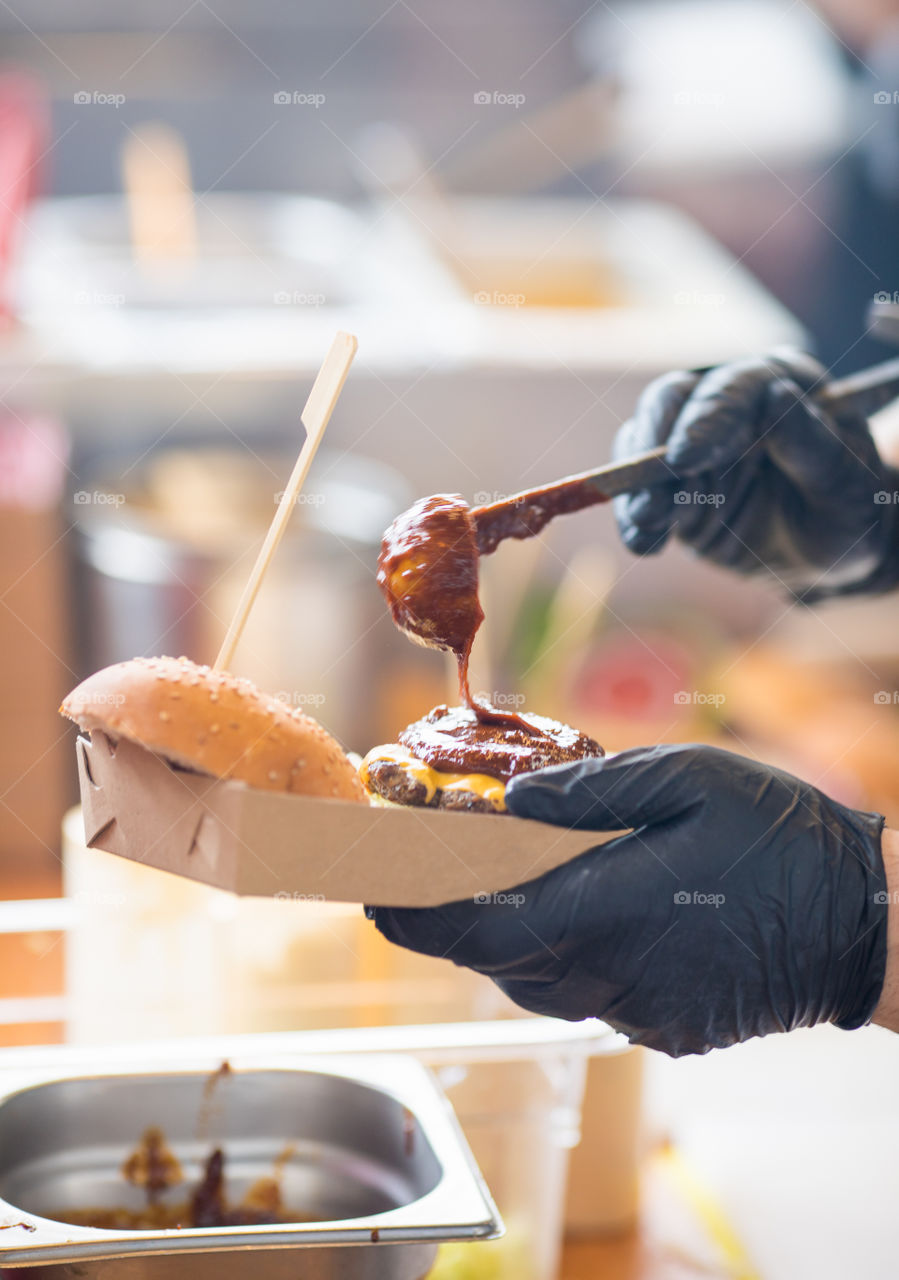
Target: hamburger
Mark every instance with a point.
(455, 759)
(215, 723)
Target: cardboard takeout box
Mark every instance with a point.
(265, 843)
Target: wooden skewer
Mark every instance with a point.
(315, 417)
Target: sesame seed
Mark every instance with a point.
(164, 715)
(213, 728)
(213, 696)
(273, 775)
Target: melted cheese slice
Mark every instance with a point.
(433, 780)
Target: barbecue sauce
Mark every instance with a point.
(453, 740)
(428, 573)
(206, 1206)
(153, 1166)
(525, 514)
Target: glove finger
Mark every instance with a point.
(433, 931)
(725, 527)
(808, 373)
(632, 789)
(644, 517)
(721, 420)
(810, 449)
(488, 933)
(657, 408)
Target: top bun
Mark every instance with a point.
(215, 723)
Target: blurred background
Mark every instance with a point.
(526, 211)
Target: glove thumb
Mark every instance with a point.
(633, 789)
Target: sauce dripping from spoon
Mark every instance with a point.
(428, 573)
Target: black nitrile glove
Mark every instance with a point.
(744, 902)
(768, 483)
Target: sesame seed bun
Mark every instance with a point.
(216, 723)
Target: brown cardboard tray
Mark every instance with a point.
(266, 844)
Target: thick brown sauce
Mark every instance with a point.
(206, 1206)
(153, 1166)
(428, 573)
(207, 1103)
(525, 515)
(453, 740)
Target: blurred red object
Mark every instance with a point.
(24, 130)
(647, 677)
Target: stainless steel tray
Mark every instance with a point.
(378, 1158)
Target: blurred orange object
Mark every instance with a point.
(823, 721)
(34, 638)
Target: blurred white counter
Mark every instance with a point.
(578, 292)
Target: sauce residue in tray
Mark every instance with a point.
(207, 1205)
(155, 1168)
